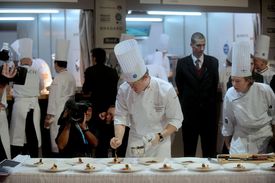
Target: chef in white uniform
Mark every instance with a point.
(261, 58)
(249, 115)
(148, 105)
(26, 110)
(62, 89)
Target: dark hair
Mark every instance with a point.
(61, 63)
(99, 54)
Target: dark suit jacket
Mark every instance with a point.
(198, 94)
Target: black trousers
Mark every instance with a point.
(31, 147)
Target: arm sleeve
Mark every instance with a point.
(121, 109)
(173, 111)
(228, 119)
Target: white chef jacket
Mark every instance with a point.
(25, 98)
(4, 127)
(249, 118)
(62, 89)
(148, 112)
(267, 74)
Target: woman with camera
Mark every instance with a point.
(75, 138)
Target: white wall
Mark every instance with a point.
(220, 29)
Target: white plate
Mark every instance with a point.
(267, 166)
(188, 160)
(121, 168)
(82, 168)
(199, 167)
(79, 161)
(173, 167)
(150, 160)
(244, 166)
(48, 167)
(35, 162)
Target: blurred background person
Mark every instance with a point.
(249, 115)
(62, 89)
(101, 87)
(260, 58)
(25, 133)
(75, 138)
(197, 80)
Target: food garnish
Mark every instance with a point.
(80, 160)
(54, 167)
(127, 167)
(166, 166)
(40, 162)
(239, 166)
(89, 167)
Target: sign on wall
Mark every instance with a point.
(110, 22)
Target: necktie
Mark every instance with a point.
(197, 64)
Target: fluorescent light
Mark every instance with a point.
(173, 13)
(16, 18)
(143, 19)
(28, 11)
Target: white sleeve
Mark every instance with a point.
(121, 109)
(228, 119)
(270, 96)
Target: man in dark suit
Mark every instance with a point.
(197, 82)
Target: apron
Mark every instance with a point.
(20, 109)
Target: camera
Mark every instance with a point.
(76, 110)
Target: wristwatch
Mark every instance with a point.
(161, 138)
(84, 131)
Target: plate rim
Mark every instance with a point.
(126, 171)
(156, 167)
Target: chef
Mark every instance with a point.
(148, 105)
(62, 89)
(260, 58)
(25, 119)
(249, 115)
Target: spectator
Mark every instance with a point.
(75, 138)
(197, 80)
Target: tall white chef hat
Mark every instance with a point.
(130, 60)
(62, 49)
(262, 47)
(241, 61)
(164, 41)
(23, 48)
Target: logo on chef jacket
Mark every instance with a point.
(226, 120)
(225, 48)
(134, 75)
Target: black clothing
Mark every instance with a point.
(101, 82)
(198, 98)
(78, 145)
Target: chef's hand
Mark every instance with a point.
(48, 121)
(115, 142)
(151, 138)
